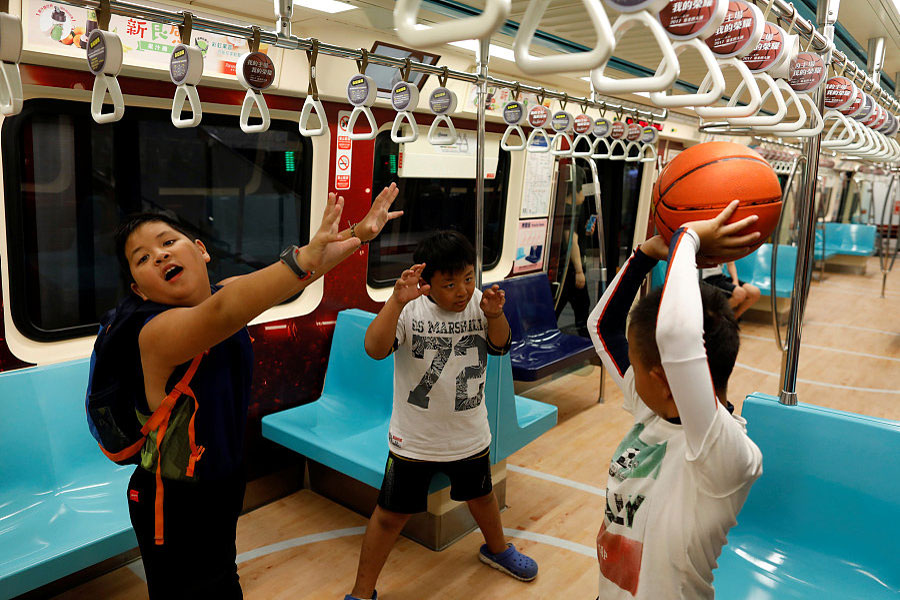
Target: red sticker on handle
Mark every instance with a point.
(538, 115)
(768, 51)
(808, 72)
(617, 132)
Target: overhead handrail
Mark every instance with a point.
(104, 57)
(482, 26)
(256, 72)
(312, 102)
(561, 123)
(362, 92)
(538, 117)
(442, 103)
(772, 90)
(568, 62)
(404, 99)
(788, 184)
(660, 80)
(186, 71)
(513, 116)
(11, 96)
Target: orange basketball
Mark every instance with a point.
(704, 179)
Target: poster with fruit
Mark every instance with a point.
(63, 30)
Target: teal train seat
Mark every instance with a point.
(62, 503)
(539, 348)
(756, 268)
(846, 238)
(346, 429)
(823, 521)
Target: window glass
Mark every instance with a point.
(429, 204)
(69, 183)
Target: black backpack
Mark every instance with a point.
(115, 383)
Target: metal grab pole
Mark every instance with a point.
(826, 15)
(887, 223)
(483, 58)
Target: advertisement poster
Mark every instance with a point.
(497, 97)
(538, 187)
(63, 30)
(530, 241)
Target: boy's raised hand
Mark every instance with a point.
(718, 238)
(378, 216)
(410, 285)
(655, 247)
(326, 248)
(492, 301)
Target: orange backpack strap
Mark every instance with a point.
(159, 421)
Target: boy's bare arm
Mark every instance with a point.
(498, 332)
(179, 334)
(732, 272)
(382, 331)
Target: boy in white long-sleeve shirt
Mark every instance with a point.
(681, 474)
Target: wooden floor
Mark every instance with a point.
(851, 338)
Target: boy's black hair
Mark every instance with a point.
(720, 332)
(131, 223)
(447, 251)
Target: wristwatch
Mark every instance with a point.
(289, 257)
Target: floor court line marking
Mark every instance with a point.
(827, 324)
(805, 345)
(847, 287)
(875, 295)
(560, 480)
(811, 382)
(299, 541)
(551, 541)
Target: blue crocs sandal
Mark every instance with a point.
(510, 561)
(349, 597)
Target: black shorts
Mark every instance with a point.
(723, 282)
(406, 481)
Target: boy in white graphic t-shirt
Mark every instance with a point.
(440, 330)
(680, 476)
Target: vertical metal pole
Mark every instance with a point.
(483, 58)
(875, 59)
(826, 15)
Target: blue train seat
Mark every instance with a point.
(62, 503)
(756, 268)
(346, 429)
(823, 520)
(847, 238)
(539, 348)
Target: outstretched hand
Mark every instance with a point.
(411, 285)
(327, 247)
(721, 239)
(492, 301)
(378, 216)
(655, 247)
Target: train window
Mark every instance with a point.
(69, 182)
(428, 204)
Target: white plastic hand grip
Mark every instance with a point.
(434, 139)
(10, 89)
(182, 93)
(840, 134)
(102, 83)
(582, 137)
(656, 83)
(653, 154)
(517, 129)
(310, 105)
(455, 30)
(395, 128)
(556, 148)
(595, 148)
(535, 133)
(563, 63)
(816, 125)
(860, 140)
(699, 99)
(612, 148)
(749, 82)
(790, 126)
(629, 157)
(250, 98)
(772, 90)
(373, 126)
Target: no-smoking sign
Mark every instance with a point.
(343, 153)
